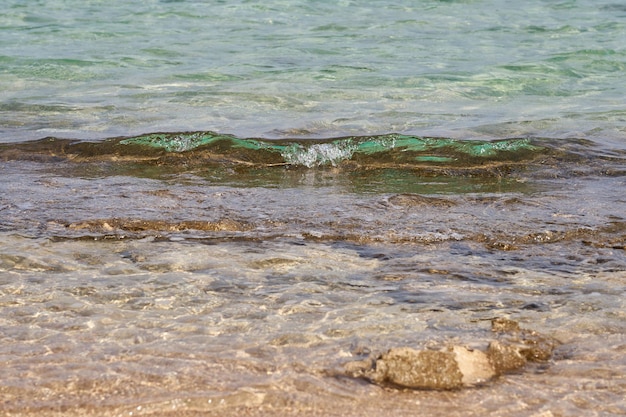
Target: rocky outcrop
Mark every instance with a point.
(456, 366)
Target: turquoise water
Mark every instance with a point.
(213, 207)
(465, 69)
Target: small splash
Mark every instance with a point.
(319, 154)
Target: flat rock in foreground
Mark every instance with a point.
(456, 366)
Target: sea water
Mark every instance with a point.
(312, 68)
(213, 207)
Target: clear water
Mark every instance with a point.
(419, 168)
(312, 68)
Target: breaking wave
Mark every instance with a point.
(206, 147)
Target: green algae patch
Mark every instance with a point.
(182, 142)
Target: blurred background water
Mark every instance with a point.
(312, 68)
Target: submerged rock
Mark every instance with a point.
(451, 368)
(417, 200)
(411, 368)
(455, 366)
(474, 365)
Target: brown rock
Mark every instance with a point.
(456, 366)
(504, 357)
(418, 369)
(416, 200)
(537, 348)
(503, 325)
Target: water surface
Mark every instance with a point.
(211, 207)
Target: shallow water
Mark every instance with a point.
(210, 208)
(127, 288)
